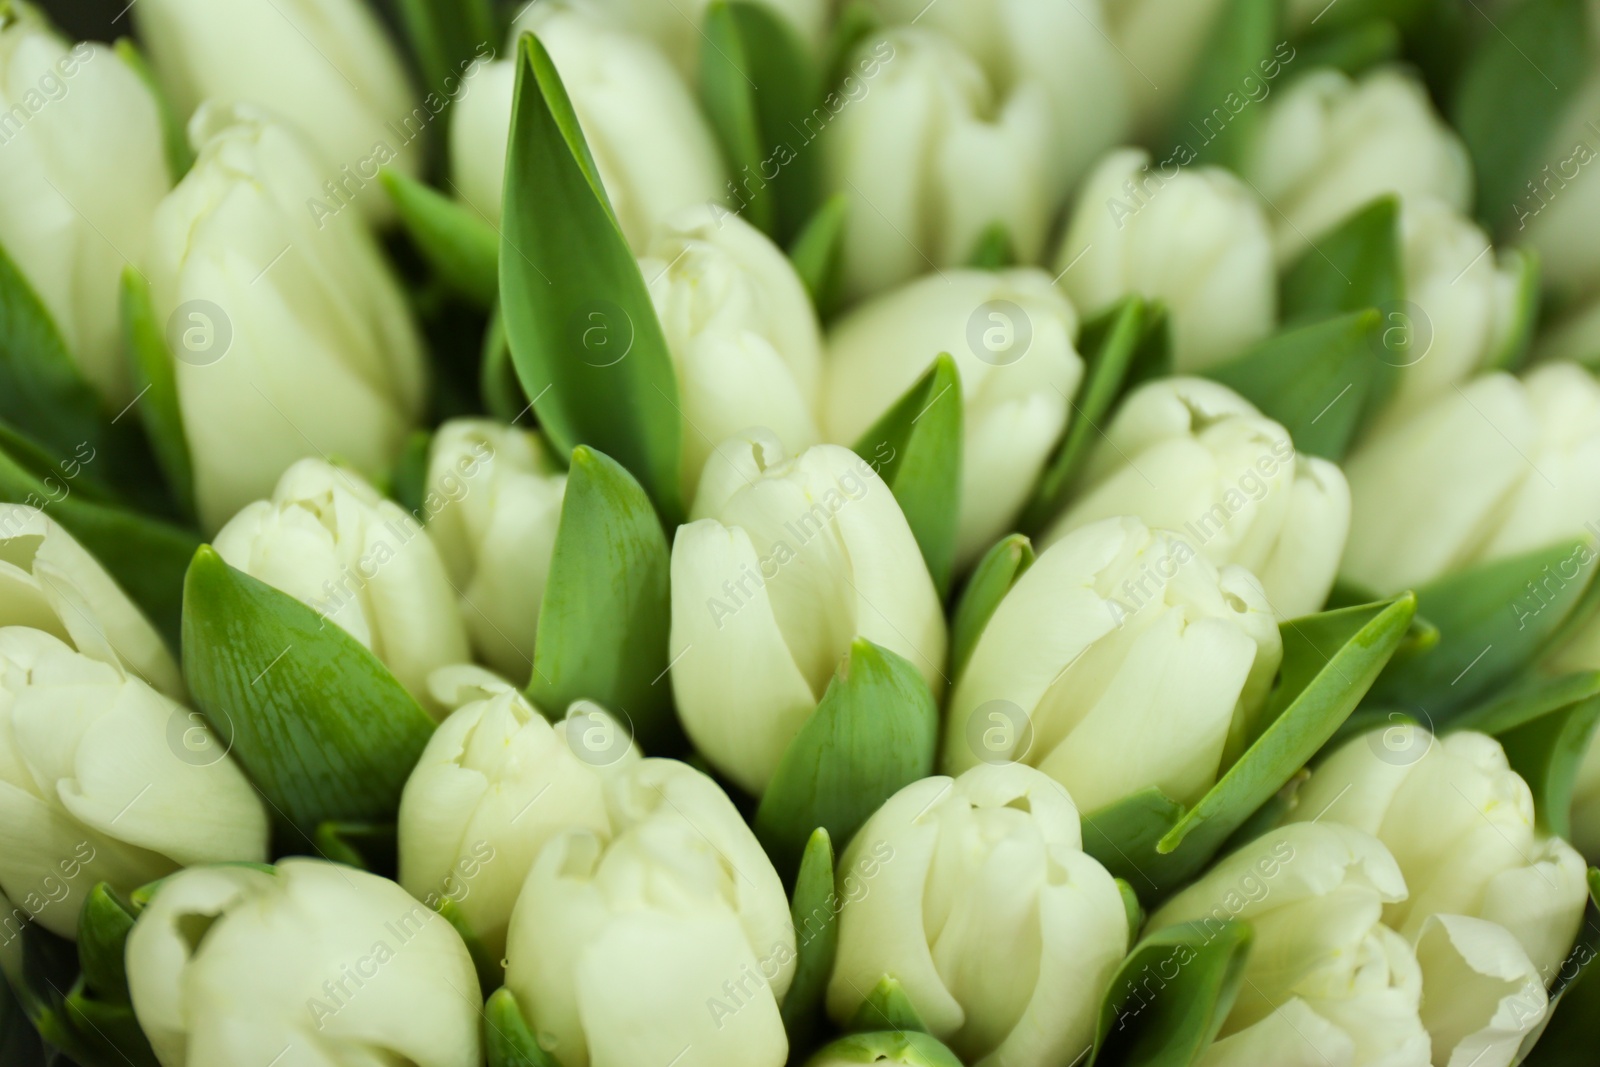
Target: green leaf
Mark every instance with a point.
(1354, 49)
(873, 733)
(462, 249)
(1317, 380)
(991, 580)
(887, 1007)
(1354, 266)
(815, 913)
(103, 927)
(484, 962)
(174, 136)
(1123, 837)
(363, 845)
(507, 1041)
(1356, 13)
(1547, 753)
(916, 447)
(1124, 344)
(497, 378)
(857, 21)
(409, 482)
(1530, 698)
(583, 332)
(1513, 92)
(818, 252)
(1133, 909)
(446, 36)
(1172, 1021)
(109, 1032)
(154, 378)
(993, 249)
(1241, 40)
(912, 1048)
(761, 88)
(322, 728)
(1518, 336)
(1492, 620)
(603, 624)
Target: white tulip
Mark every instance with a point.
(1481, 995)
(672, 941)
(1121, 660)
(1193, 456)
(975, 893)
(1459, 822)
(475, 811)
(290, 336)
(1161, 42)
(674, 25)
(1329, 145)
(329, 540)
(317, 964)
(652, 146)
(930, 154)
(1558, 208)
(102, 778)
(325, 67)
(1195, 239)
(741, 329)
(50, 582)
(786, 563)
(82, 165)
(493, 508)
(1011, 334)
(1062, 48)
(1325, 981)
(1491, 469)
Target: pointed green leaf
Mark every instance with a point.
(497, 378)
(911, 1048)
(1123, 837)
(818, 252)
(156, 382)
(603, 623)
(1317, 380)
(1527, 699)
(583, 333)
(1241, 40)
(462, 248)
(1133, 909)
(815, 913)
(174, 135)
(873, 733)
(887, 1007)
(507, 1041)
(1547, 752)
(318, 723)
(42, 392)
(991, 580)
(1170, 1022)
(1354, 266)
(1353, 49)
(103, 928)
(446, 37)
(993, 250)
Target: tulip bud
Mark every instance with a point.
(1325, 981)
(1161, 42)
(741, 329)
(1329, 145)
(492, 508)
(786, 563)
(930, 154)
(1459, 822)
(1193, 456)
(671, 941)
(674, 25)
(330, 541)
(81, 163)
(650, 142)
(1493, 468)
(102, 778)
(334, 966)
(976, 895)
(325, 67)
(1195, 239)
(1482, 998)
(1011, 334)
(495, 783)
(290, 337)
(1121, 660)
(49, 582)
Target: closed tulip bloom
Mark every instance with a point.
(1325, 981)
(492, 508)
(930, 153)
(1193, 456)
(102, 778)
(1330, 144)
(333, 966)
(325, 67)
(295, 338)
(1161, 42)
(652, 146)
(741, 329)
(1499, 466)
(1012, 335)
(329, 540)
(977, 897)
(672, 940)
(1196, 240)
(496, 782)
(1121, 660)
(1482, 998)
(785, 564)
(50, 582)
(1459, 822)
(674, 25)
(82, 166)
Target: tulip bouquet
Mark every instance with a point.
(745, 533)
